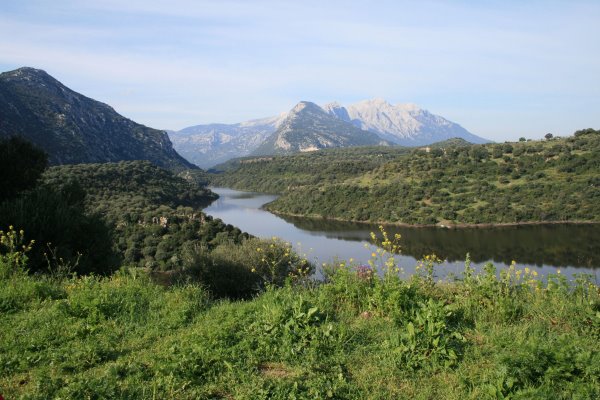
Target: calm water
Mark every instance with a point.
(570, 248)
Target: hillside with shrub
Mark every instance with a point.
(275, 174)
(95, 218)
(554, 180)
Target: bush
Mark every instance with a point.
(65, 236)
(21, 165)
(238, 271)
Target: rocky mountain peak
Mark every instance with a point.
(73, 128)
(304, 107)
(309, 127)
(27, 73)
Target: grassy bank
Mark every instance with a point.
(357, 335)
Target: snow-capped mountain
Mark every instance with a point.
(307, 127)
(405, 124)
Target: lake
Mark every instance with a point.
(544, 248)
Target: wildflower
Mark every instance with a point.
(373, 255)
(558, 271)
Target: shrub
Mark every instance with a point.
(427, 340)
(21, 165)
(63, 233)
(238, 271)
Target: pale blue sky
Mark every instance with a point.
(502, 69)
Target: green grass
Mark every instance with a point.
(357, 335)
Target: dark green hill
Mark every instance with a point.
(73, 128)
(275, 174)
(154, 214)
(116, 189)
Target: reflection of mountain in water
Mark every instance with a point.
(558, 245)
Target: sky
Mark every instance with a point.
(501, 69)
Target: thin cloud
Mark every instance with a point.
(188, 62)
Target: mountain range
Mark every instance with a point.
(310, 127)
(73, 128)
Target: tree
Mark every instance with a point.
(548, 136)
(21, 165)
(522, 139)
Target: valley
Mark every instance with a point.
(126, 271)
(447, 184)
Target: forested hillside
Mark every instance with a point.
(154, 214)
(275, 174)
(557, 179)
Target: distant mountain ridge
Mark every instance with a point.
(208, 145)
(73, 128)
(307, 127)
(404, 124)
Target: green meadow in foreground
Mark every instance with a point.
(362, 333)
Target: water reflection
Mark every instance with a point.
(545, 248)
(558, 245)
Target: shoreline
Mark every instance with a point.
(406, 225)
(441, 226)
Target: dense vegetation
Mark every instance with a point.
(531, 181)
(358, 335)
(94, 218)
(275, 174)
(53, 216)
(157, 224)
(21, 165)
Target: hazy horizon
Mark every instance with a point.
(502, 70)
